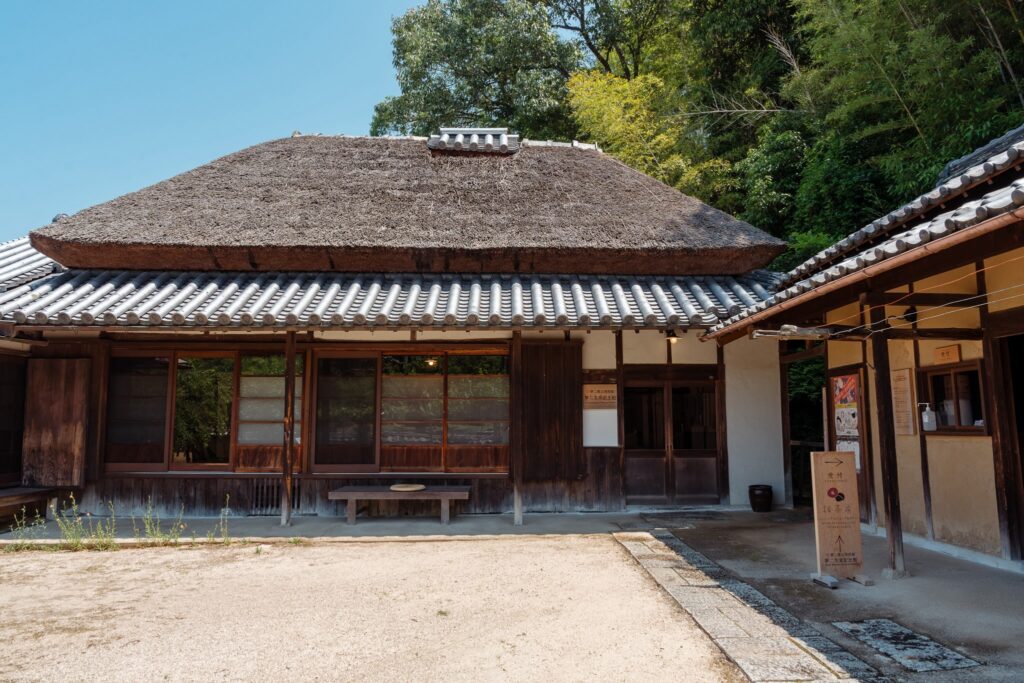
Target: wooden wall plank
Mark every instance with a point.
(56, 422)
(551, 406)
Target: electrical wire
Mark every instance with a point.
(973, 273)
(944, 313)
(972, 297)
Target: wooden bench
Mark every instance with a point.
(34, 500)
(445, 494)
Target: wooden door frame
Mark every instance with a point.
(667, 378)
(1000, 399)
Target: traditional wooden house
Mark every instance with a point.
(921, 317)
(518, 317)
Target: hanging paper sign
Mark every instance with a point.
(903, 414)
(845, 405)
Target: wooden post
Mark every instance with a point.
(517, 428)
(517, 505)
(289, 429)
(887, 443)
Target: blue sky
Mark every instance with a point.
(101, 98)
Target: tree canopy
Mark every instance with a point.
(807, 118)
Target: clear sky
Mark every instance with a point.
(102, 98)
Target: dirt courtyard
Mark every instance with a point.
(574, 607)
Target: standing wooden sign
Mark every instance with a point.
(836, 514)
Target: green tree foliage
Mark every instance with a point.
(807, 118)
(479, 62)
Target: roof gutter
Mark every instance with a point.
(866, 273)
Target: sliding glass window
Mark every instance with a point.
(203, 396)
(346, 407)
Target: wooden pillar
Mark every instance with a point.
(787, 449)
(887, 442)
(289, 429)
(517, 428)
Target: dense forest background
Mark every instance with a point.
(807, 118)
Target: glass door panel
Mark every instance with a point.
(346, 412)
(694, 443)
(645, 454)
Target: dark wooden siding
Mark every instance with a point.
(12, 418)
(56, 422)
(206, 494)
(551, 396)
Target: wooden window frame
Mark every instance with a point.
(925, 375)
(173, 353)
(230, 465)
(148, 467)
(413, 349)
(312, 402)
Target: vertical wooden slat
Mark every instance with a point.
(56, 422)
(787, 448)
(722, 426)
(887, 441)
(620, 390)
(922, 440)
(550, 405)
(289, 428)
(999, 409)
(516, 434)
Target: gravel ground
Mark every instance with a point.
(523, 608)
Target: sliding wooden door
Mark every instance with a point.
(671, 442)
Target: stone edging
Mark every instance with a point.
(765, 641)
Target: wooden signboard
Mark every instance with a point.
(944, 355)
(836, 514)
(903, 413)
(600, 396)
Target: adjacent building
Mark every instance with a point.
(920, 315)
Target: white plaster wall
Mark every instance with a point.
(688, 349)
(600, 428)
(647, 346)
(598, 349)
(754, 418)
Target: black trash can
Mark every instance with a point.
(761, 498)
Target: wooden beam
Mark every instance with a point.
(965, 333)
(797, 356)
(922, 299)
(848, 333)
(887, 444)
(289, 429)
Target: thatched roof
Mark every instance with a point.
(392, 205)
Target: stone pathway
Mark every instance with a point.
(764, 640)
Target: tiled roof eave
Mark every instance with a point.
(995, 210)
(165, 300)
(897, 219)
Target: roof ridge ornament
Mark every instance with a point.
(485, 140)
